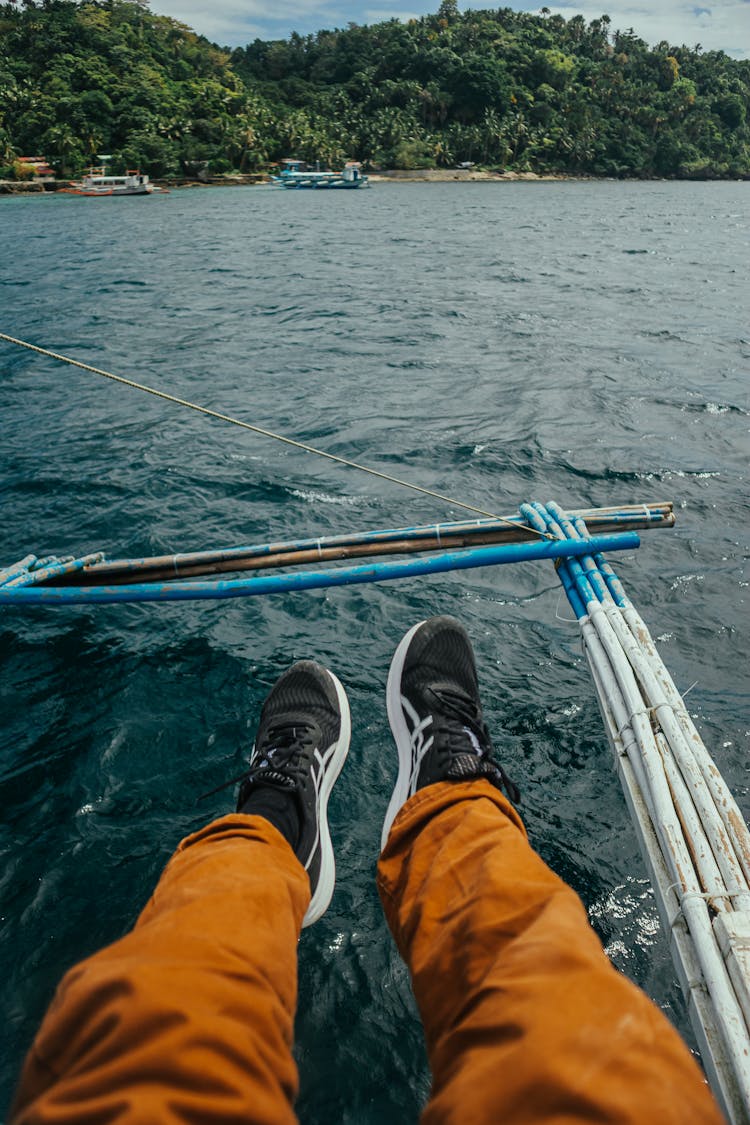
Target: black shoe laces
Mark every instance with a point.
(463, 714)
(277, 762)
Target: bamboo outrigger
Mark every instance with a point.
(692, 834)
(447, 546)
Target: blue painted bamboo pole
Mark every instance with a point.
(614, 585)
(576, 580)
(569, 586)
(537, 516)
(598, 571)
(311, 580)
(20, 567)
(587, 562)
(50, 560)
(588, 583)
(54, 569)
(614, 520)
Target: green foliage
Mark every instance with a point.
(510, 89)
(22, 171)
(413, 153)
(501, 88)
(108, 76)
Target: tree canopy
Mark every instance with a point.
(500, 88)
(80, 80)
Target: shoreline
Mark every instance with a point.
(467, 175)
(416, 175)
(392, 176)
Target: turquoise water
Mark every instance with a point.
(582, 342)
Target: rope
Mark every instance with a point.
(705, 896)
(259, 430)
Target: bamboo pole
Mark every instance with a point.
(731, 835)
(375, 544)
(668, 825)
(315, 579)
(54, 570)
(10, 572)
(672, 774)
(725, 838)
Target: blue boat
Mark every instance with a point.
(294, 174)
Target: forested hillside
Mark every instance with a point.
(508, 88)
(501, 88)
(77, 80)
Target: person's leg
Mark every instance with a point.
(192, 1011)
(190, 1016)
(525, 1018)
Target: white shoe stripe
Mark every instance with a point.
(419, 745)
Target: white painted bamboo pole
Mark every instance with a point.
(695, 779)
(717, 1061)
(677, 856)
(731, 838)
(692, 899)
(608, 690)
(720, 895)
(723, 800)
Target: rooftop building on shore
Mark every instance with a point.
(38, 164)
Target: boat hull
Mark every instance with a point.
(145, 189)
(295, 178)
(324, 185)
(96, 184)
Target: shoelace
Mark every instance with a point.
(278, 762)
(464, 716)
(286, 742)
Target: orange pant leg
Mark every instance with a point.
(526, 1020)
(190, 1016)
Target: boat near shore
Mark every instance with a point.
(96, 183)
(294, 175)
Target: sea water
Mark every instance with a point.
(583, 342)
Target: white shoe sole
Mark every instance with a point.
(321, 899)
(400, 732)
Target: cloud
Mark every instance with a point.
(237, 22)
(724, 26)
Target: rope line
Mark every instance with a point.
(258, 430)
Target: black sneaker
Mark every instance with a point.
(300, 747)
(435, 714)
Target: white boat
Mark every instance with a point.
(95, 182)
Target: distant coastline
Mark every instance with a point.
(463, 175)
(393, 176)
(449, 96)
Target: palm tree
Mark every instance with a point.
(61, 145)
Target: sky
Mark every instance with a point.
(716, 24)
